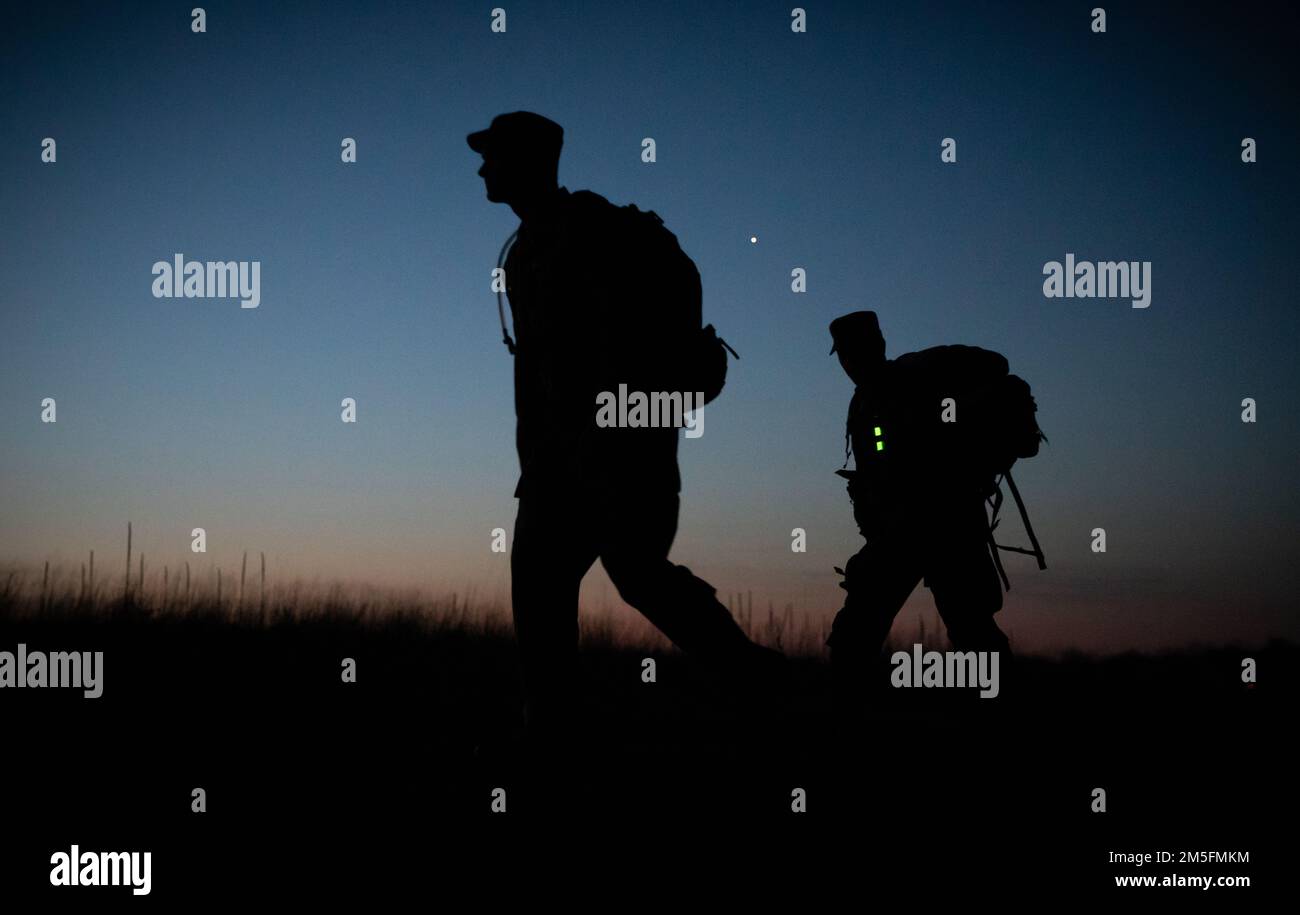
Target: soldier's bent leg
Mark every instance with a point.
(967, 593)
(878, 579)
(548, 559)
(634, 550)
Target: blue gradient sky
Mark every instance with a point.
(177, 413)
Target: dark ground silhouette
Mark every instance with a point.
(309, 774)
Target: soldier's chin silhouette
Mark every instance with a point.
(522, 186)
(582, 326)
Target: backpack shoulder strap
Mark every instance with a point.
(501, 308)
(848, 429)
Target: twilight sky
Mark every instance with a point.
(182, 413)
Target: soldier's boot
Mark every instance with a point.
(859, 675)
(686, 609)
(983, 635)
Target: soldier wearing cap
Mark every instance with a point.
(920, 519)
(586, 493)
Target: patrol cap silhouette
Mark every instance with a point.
(519, 134)
(856, 331)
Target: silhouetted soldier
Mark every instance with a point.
(583, 327)
(919, 505)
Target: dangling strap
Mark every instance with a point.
(501, 308)
(994, 547)
(1029, 528)
(995, 502)
(997, 560)
(848, 425)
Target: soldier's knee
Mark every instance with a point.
(982, 606)
(643, 582)
(845, 638)
(974, 595)
(989, 597)
(858, 633)
(863, 560)
(855, 572)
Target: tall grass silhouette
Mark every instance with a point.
(201, 592)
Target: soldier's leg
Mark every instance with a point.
(639, 531)
(967, 592)
(552, 550)
(878, 579)
(966, 587)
